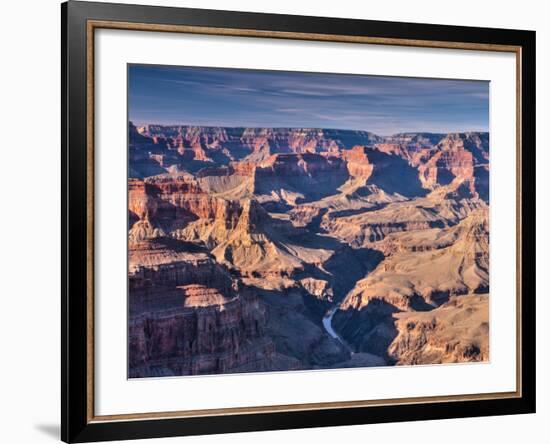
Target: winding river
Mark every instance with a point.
(327, 323)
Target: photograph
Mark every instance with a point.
(273, 220)
(287, 220)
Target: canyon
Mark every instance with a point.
(276, 249)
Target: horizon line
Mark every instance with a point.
(307, 128)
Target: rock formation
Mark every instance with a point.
(423, 269)
(189, 316)
(243, 241)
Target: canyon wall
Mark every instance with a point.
(242, 241)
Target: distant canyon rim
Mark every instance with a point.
(276, 249)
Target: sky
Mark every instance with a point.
(174, 95)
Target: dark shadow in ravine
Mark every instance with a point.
(481, 174)
(394, 175)
(370, 329)
(342, 270)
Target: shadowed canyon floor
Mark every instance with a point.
(272, 249)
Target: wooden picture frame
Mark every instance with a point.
(79, 22)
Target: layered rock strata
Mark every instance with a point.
(241, 240)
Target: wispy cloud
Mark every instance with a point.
(233, 97)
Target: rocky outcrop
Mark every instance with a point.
(281, 165)
(241, 240)
(207, 333)
(250, 248)
(216, 143)
(168, 262)
(170, 204)
(455, 159)
(244, 169)
(189, 316)
(423, 270)
(429, 266)
(304, 215)
(220, 146)
(436, 211)
(445, 166)
(319, 288)
(357, 162)
(458, 331)
(435, 159)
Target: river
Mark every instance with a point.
(327, 323)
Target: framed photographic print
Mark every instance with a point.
(276, 221)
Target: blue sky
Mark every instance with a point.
(253, 98)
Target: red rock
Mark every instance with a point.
(358, 162)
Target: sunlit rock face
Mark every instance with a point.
(243, 241)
